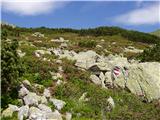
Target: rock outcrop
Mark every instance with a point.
(143, 79)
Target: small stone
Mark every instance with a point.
(20, 53)
(83, 97)
(47, 93)
(56, 76)
(63, 45)
(23, 91)
(68, 116)
(57, 103)
(26, 83)
(59, 61)
(102, 40)
(111, 102)
(59, 82)
(60, 69)
(98, 46)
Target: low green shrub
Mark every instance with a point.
(87, 44)
(151, 54)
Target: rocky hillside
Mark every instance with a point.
(77, 75)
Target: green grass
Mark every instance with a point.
(128, 106)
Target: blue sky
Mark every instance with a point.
(137, 15)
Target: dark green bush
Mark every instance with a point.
(87, 44)
(11, 68)
(151, 54)
(11, 65)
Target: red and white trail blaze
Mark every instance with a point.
(116, 71)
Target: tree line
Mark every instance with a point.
(99, 31)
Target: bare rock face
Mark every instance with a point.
(143, 80)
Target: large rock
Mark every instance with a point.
(132, 49)
(99, 67)
(23, 112)
(44, 108)
(53, 115)
(86, 59)
(36, 114)
(59, 104)
(116, 61)
(31, 99)
(143, 80)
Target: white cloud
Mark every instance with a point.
(31, 7)
(141, 16)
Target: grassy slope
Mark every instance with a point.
(128, 106)
(156, 33)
